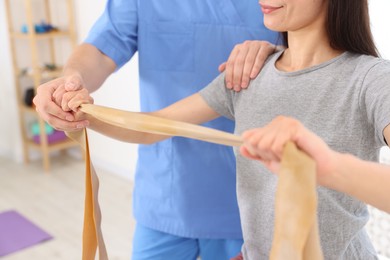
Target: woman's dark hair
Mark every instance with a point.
(348, 26)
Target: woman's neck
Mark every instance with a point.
(306, 50)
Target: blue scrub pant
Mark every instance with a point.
(149, 244)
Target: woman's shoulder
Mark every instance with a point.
(270, 61)
(368, 62)
(373, 72)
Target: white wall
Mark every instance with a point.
(10, 143)
(380, 21)
(119, 91)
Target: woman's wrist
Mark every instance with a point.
(337, 175)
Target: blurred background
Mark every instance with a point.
(36, 36)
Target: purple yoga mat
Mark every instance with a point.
(17, 232)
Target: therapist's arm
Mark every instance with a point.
(87, 68)
(364, 180)
(89, 64)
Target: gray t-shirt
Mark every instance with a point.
(346, 101)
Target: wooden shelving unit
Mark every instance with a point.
(36, 73)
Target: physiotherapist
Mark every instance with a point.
(184, 198)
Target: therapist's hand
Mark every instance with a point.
(245, 63)
(49, 101)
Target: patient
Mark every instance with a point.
(330, 78)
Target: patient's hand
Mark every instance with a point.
(266, 145)
(72, 100)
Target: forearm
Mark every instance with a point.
(192, 109)
(92, 65)
(366, 181)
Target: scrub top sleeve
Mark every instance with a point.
(218, 97)
(376, 97)
(115, 33)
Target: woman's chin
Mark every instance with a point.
(273, 26)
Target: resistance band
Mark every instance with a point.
(296, 229)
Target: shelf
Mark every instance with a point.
(38, 66)
(39, 36)
(44, 73)
(30, 110)
(60, 145)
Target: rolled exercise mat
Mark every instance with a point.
(296, 230)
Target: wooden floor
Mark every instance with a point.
(55, 203)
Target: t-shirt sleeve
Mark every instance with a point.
(115, 32)
(376, 97)
(218, 97)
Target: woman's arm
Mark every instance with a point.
(367, 181)
(192, 109)
(364, 180)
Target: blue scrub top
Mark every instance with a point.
(183, 187)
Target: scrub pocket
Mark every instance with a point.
(154, 180)
(169, 46)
